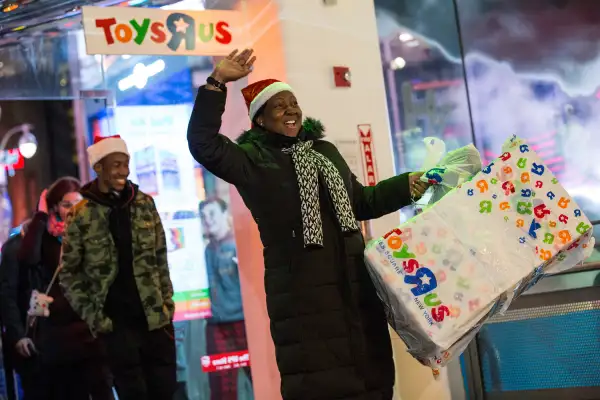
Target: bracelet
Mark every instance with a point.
(219, 85)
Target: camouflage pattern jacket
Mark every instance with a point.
(90, 263)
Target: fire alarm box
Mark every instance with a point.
(342, 77)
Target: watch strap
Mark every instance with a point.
(219, 85)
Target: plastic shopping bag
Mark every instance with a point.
(444, 272)
(450, 170)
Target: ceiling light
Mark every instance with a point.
(412, 43)
(398, 63)
(140, 75)
(10, 7)
(406, 37)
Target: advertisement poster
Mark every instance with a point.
(162, 167)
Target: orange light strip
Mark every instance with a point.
(10, 7)
(435, 84)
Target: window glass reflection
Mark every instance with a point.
(521, 78)
(539, 83)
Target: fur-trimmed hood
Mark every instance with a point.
(312, 129)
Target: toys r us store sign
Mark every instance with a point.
(148, 31)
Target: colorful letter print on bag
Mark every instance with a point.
(442, 272)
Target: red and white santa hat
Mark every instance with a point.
(104, 146)
(258, 93)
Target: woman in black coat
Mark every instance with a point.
(71, 362)
(328, 325)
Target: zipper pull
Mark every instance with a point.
(293, 233)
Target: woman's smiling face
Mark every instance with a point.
(68, 201)
(282, 115)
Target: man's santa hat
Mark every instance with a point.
(258, 93)
(104, 146)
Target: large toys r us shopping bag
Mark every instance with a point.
(445, 271)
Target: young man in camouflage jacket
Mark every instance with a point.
(115, 275)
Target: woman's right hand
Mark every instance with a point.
(235, 66)
(43, 203)
(25, 348)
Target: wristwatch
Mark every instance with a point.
(219, 85)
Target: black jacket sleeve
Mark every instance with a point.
(30, 253)
(370, 202)
(215, 152)
(9, 291)
(386, 197)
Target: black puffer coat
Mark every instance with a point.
(327, 323)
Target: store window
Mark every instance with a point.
(152, 116)
(479, 71)
(424, 77)
(35, 110)
(147, 100)
(151, 103)
(539, 83)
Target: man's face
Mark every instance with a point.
(114, 170)
(214, 219)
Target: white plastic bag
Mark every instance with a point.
(443, 273)
(445, 173)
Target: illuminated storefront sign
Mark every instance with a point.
(11, 160)
(221, 362)
(366, 145)
(147, 31)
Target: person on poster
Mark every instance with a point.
(115, 275)
(225, 329)
(328, 325)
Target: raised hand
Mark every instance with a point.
(235, 66)
(43, 204)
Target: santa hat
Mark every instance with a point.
(258, 93)
(104, 146)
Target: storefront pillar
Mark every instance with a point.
(265, 35)
(301, 42)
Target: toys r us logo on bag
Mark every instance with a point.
(443, 271)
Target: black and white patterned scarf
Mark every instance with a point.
(308, 163)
